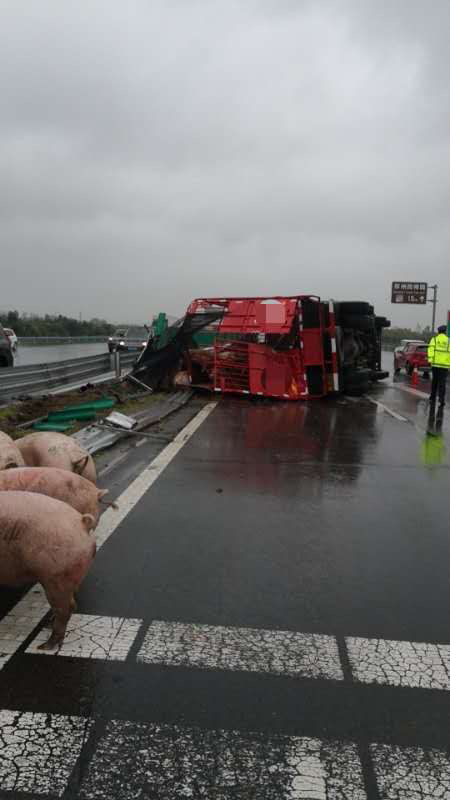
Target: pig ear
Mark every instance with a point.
(88, 521)
(78, 466)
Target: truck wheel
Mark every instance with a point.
(409, 368)
(357, 390)
(382, 322)
(355, 308)
(396, 367)
(360, 322)
(357, 381)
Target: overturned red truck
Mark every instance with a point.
(290, 348)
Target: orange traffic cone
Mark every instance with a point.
(415, 376)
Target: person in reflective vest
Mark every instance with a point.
(439, 358)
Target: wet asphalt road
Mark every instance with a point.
(325, 519)
(37, 354)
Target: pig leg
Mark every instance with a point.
(61, 601)
(73, 608)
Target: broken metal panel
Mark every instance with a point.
(98, 437)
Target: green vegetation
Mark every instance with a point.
(31, 325)
(393, 336)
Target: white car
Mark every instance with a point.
(12, 338)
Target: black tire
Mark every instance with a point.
(409, 368)
(359, 322)
(355, 390)
(382, 322)
(355, 379)
(396, 368)
(355, 308)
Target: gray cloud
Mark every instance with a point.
(156, 151)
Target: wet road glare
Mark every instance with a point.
(267, 617)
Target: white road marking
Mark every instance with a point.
(21, 620)
(140, 442)
(417, 665)
(305, 655)
(38, 751)
(107, 638)
(382, 407)
(169, 761)
(410, 773)
(28, 612)
(111, 519)
(409, 390)
(414, 664)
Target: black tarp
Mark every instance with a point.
(155, 365)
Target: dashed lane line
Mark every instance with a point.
(89, 636)
(39, 752)
(306, 655)
(416, 665)
(170, 761)
(16, 626)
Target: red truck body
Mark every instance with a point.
(285, 347)
(291, 347)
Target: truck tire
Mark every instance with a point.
(357, 381)
(409, 368)
(355, 308)
(382, 322)
(358, 391)
(360, 322)
(396, 367)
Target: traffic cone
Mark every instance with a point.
(415, 376)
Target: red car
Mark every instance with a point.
(412, 355)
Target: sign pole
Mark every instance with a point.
(434, 301)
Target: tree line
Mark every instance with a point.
(393, 336)
(60, 325)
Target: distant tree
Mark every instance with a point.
(54, 325)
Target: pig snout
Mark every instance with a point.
(110, 503)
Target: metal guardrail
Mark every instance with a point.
(43, 340)
(35, 379)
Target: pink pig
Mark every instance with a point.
(57, 450)
(10, 455)
(61, 484)
(45, 540)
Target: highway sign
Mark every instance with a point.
(409, 292)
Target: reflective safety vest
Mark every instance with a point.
(439, 351)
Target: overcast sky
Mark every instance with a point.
(152, 152)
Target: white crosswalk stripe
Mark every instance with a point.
(417, 665)
(411, 773)
(414, 664)
(305, 655)
(38, 753)
(171, 761)
(88, 636)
